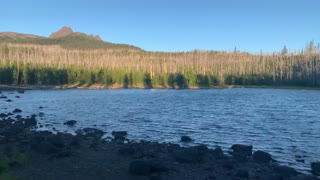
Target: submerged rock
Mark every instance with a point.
(70, 123)
(185, 139)
(17, 111)
(261, 157)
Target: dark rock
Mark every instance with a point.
(45, 142)
(261, 157)
(145, 168)
(315, 168)
(3, 97)
(217, 153)
(185, 139)
(70, 123)
(91, 132)
(242, 173)
(119, 135)
(40, 107)
(41, 114)
(9, 100)
(17, 96)
(285, 171)
(241, 150)
(195, 154)
(2, 115)
(30, 122)
(17, 111)
(18, 117)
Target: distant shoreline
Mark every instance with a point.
(98, 86)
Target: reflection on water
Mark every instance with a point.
(285, 123)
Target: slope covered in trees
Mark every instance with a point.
(29, 64)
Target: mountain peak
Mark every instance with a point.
(64, 31)
(98, 38)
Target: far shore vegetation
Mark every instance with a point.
(40, 65)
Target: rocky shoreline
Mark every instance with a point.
(31, 155)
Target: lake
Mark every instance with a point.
(285, 123)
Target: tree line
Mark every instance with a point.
(26, 64)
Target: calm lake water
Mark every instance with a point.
(285, 123)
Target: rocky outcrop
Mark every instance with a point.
(64, 31)
(262, 157)
(241, 150)
(97, 38)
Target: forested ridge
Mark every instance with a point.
(31, 64)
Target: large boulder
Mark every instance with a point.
(30, 122)
(217, 153)
(119, 135)
(261, 157)
(195, 154)
(285, 171)
(241, 150)
(315, 168)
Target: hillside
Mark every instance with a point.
(65, 37)
(74, 58)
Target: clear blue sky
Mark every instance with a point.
(173, 25)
